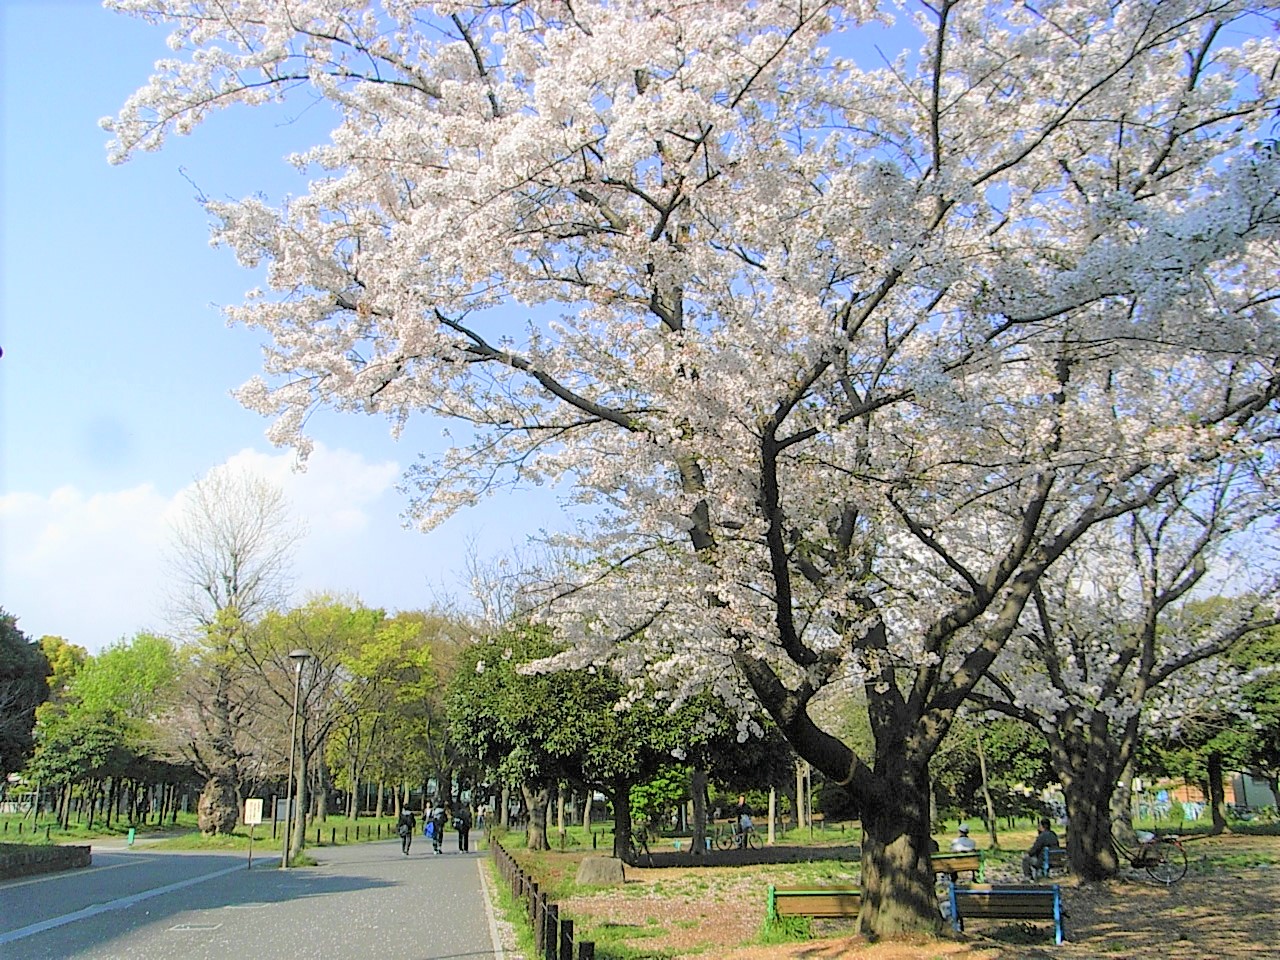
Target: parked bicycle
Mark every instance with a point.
(1161, 855)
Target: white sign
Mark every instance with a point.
(253, 811)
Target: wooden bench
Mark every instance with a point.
(1053, 860)
(1007, 902)
(953, 863)
(814, 901)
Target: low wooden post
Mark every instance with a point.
(551, 937)
(566, 939)
(539, 922)
(586, 950)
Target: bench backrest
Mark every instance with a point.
(1007, 902)
(835, 901)
(953, 862)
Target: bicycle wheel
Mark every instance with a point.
(1166, 860)
(725, 841)
(754, 841)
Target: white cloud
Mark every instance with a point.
(88, 566)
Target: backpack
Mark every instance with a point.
(430, 829)
(402, 828)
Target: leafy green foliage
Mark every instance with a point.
(23, 687)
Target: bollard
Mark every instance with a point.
(566, 939)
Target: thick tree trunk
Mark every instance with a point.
(586, 809)
(1217, 796)
(218, 809)
(536, 798)
(504, 815)
(1089, 814)
(698, 788)
(898, 895)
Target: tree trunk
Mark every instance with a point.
(1089, 794)
(586, 809)
(297, 838)
(986, 795)
(802, 801)
(537, 798)
(622, 819)
(218, 809)
(1217, 796)
(505, 814)
(698, 788)
(898, 895)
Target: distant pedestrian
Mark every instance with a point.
(438, 820)
(404, 827)
(741, 822)
(462, 823)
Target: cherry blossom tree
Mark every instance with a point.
(838, 350)
(1118, 646)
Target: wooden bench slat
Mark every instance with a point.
(989, 902)
(957, 862)
(836, 901)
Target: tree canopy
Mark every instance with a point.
(23, 687)
(843, 352)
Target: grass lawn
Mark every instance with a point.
(685, 909)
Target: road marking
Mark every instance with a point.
(194, 926)
(488, 892)
(23, 932)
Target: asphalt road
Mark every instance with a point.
(362, 901)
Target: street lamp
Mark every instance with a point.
(299, 657)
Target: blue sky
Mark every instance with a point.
(117, 368)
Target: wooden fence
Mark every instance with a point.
(552, 934)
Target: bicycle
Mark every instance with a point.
(739, 839)
(639, 846)
(1161, 855)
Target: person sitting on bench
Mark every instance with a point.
(963, 843)
(1033, 858)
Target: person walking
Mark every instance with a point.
(438, 821)
(462, 823)
(405, 824)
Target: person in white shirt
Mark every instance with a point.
(963, 843)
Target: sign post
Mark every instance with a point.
(252, 817)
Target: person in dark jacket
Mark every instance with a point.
(462, 823)
(438, 821)
(1032, 860)
(404, 826)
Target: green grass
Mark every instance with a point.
(184, 833)
(786, 930)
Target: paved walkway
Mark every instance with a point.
(361, 901)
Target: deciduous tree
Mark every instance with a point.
(23, 687)
(1115, 650)
(843, 351)
(230, 554)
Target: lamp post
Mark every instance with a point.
(299, 657)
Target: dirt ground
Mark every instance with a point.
(1214, 913)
